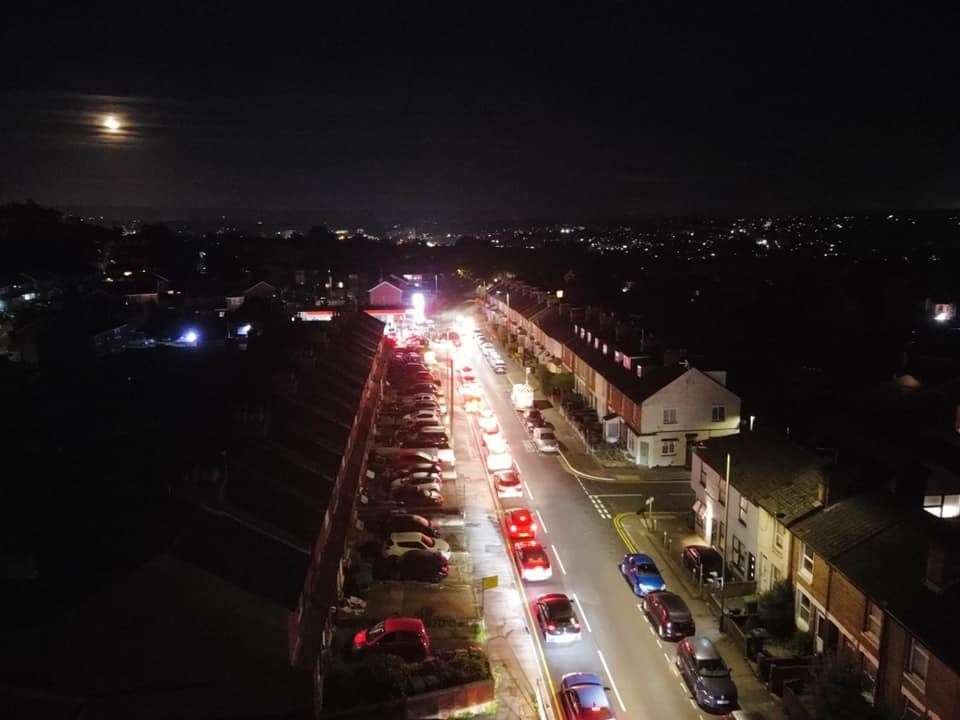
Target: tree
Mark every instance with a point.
(837, 692)
(776, 610)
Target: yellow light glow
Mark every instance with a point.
(111, 123)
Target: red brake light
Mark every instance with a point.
(513, 528)
(533, 527)
(551, 627)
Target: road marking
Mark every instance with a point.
(650, 628)
(583, 613)
(659, 644)
(528, 489)
(559, 561)
(667, 658)
(600, 507)
(613, 683)
(542, 523)
(692, 703)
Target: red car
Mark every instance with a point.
(519, 525)
(532, 560)
(405, 637)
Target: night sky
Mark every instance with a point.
(471, 111)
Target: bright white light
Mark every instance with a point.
(942, 317)
(419, 303)
(244, 330)
(190, 337)
(111, 124)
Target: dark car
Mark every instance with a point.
(535, 422)
(422, 566)
(424, 467)
(427, 438)
(404, 637)
(706, 674)
(556, 618)
(584, 697)
(670, 614)
(531, 415)
(702, 559)
(406, 459)
(415, 496)
(408, 522)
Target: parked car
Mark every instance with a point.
(405, 637)
(408, 458)
(518, 524)
(494, 442)
(584, 697)
(669, 613)
(420, 415)
(431, 467)
(545, 440)
(488, 422)
(508, 484)
(413, 398)
(702, 559)
(532, 560)
(417, 425)
(427, 481)
(742, 715)
(408, 522)
(401, 543)
(641, 573)
(556, 618)
(414, 496)
(706, 674)
(499, 368)
(422, 566)
(431, 436)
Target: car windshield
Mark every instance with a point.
(375, 632)
(534, 556)
(647, 568)
(547, 436)
(509, 479)
(712, 667)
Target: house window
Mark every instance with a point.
(719, 413)
(777, 574)
(604, 348)
(669, 416)
(742, 510)
(616, 356)
(868, 678)
(804, 608)
(639, 370)
(942, 506)
(919, 660)
(703, 475)
(779, 536)
(596, 343)
(669, 447)
(874, 621)
(589, 336)
(911, 711)
(739, 554)
(806, 559)
(722, 498)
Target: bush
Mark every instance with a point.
(775, 608)
(801, 644)
(837, 693)
(458, 668)
(374, 679)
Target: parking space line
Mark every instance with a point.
(559, 561)
(659, 644)
(583, 612)
(613, 683)
(528, 490)
(542, 523)
(667, 658)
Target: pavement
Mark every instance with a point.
(576, 500)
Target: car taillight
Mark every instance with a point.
(533, 527)
(576, 625)
(513, 528)
(551, 627)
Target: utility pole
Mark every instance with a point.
(726, 535)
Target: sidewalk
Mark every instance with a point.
(753, 695)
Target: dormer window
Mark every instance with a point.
(639, 371)
(604, 348)
(616, 356)
(576, 328)
(596, 343)
(589, 336)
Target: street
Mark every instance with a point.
(576, 529)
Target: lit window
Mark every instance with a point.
(719, 413)
(738, 552)
(919, 660)
(669, 416)
(806, 560)
(669, 447)
(942, 506)
(742, 510)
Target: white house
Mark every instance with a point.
(678, 408)
(750, 488)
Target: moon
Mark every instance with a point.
(111, 124)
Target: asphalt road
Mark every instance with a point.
(617, 642)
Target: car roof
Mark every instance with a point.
(703, 648)
(404, 536)
(419, 519)
(641, 557)
(519, 512)
(554, 599)
(670, 600)
(580, 678)
(403, 624)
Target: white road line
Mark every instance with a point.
(640, 607)
(559, 561)
(659, 644)
(528, 490)
(650, 628)
(667, 658)
(613, 683)
(583, 612)
(542, 523)
(692, 703)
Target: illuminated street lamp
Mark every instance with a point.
(419, 304)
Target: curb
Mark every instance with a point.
(573, 471)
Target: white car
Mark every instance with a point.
(495, 443)
(545, 440)
(488, 423)
(508, 484)
(420, 417)
(401, 543)
(499, 461)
